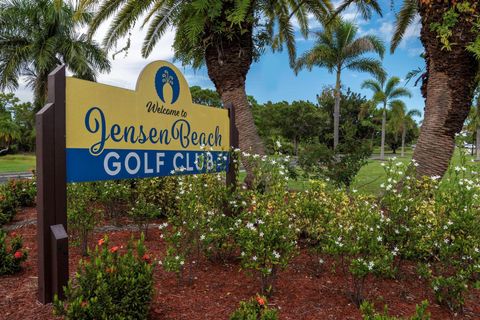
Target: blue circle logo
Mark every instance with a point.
(164, 76)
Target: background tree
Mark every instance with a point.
(225, 35)
(402, 122)
(451, 38)
(472, 124)
(206, 97)
(337, 48)
(18, 122)
(386, 93)
(38, 35)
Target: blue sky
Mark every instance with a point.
(271, 79)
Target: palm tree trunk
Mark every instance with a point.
(228, 65)
(384, 125)
(336, 110)
(477, 142)
(404, 133)
(448, 88)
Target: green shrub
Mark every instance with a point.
(110, 285)
(369, 313)
(161, 192)
(24, 191)
(142, 212)
(114, 197)
(254, 309)
(11, 254)
(8, 205)
(82, 213)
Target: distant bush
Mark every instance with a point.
(254, 309)
(110, 285)
(15, 194)
(11, 254)
(369, 313)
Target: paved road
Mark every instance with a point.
(4, 177)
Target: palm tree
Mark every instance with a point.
(402, 120)
(38, 35)
(9, 131)
(226, 36)
(337, 48)
(385, 93)
(451, 52)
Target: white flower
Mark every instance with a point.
(182, 263)
(371, 264)
(177, 258)
(279, 145)
(202, 237)
(276, 254)
(254, 258)
(261, 234)
(379, 238)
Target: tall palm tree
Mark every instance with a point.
(38, 35)
(385, 92)
(225, 35)
(337, 48)
(402, 120)
(451, 52)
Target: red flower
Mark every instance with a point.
(110, 270)
(14, 234)
(260, 301)
(101, 242)
(114, 249)
(18, 255)
(147, 258)
(84, 304)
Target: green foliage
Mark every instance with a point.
(369, 313)
(206, 97)
(266, 232)
(159, 191)
(110, 284)
(340, 165)
(11, 253)
(254, 309)
(143, 212)
(82, 213)
(15, 194)
(114, 196)
(37, 35)
(201, 203)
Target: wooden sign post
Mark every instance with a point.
(93, 132)
(52, 191)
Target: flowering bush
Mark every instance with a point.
(143, 212)
(266, 231)
(110, 285)
(369, 313)
(160, 192)
(254, 309)
(8, 204)
(454, 263)
(24, 191)
(199, 224)
(114, 196)
(11, 253)
(81, 212)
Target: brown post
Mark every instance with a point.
(231, 173)
(59, 240)
(51, 187)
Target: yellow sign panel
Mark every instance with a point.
(156, 130)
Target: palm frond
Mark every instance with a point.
(403, 19)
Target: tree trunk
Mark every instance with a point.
(404, 133)
(228, 63)
(384, 125)
(447, 89)
(295, 145)
(336, 110)
(477, 142)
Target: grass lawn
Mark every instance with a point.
(17, 163)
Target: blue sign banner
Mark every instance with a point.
(113, 164)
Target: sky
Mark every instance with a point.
(271, 78)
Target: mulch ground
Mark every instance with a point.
(302, 293)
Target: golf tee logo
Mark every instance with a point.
(165, 80)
